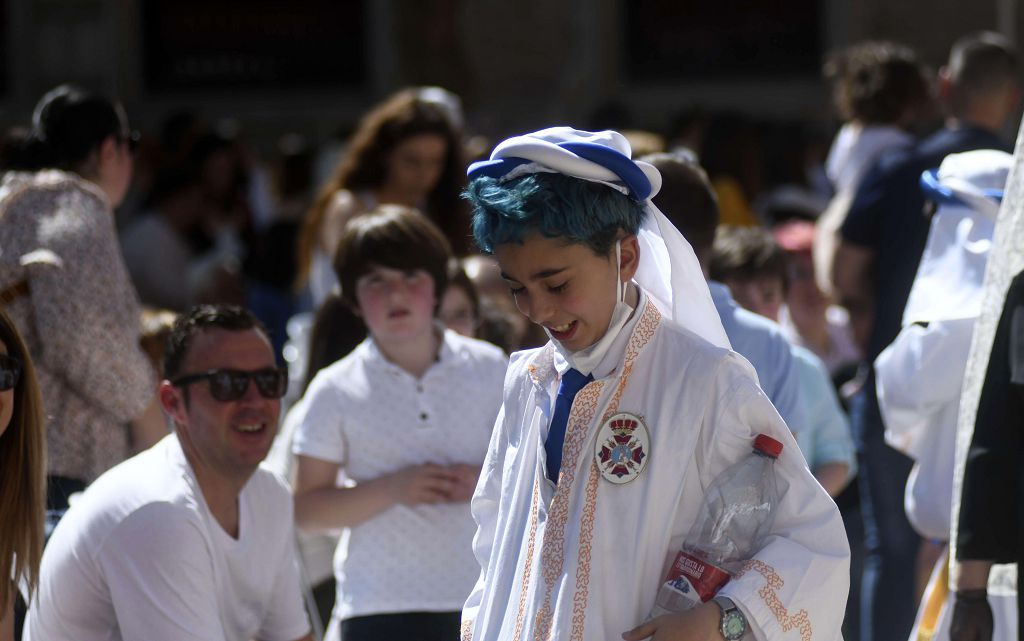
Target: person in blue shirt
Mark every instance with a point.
(688, 202)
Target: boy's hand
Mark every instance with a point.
(698, 624)
(427, 483)
(465, 485)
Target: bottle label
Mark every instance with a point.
(695, 578)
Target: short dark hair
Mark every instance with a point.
(876, 82)
(395, 237)
(201, 317)
(982, 62)
(687, 199)
(747, 253)
(555, 206)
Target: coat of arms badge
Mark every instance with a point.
(622, 448)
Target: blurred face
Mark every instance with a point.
(396, 305)
(6, 400)
(116, 165)
(456, 311)
(415, 166)
(804, 298)
(228, 437)
(566, 288)
(763, 295)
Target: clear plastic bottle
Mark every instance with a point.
(738, 512)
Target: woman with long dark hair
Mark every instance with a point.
(406, 151)
(63, 281)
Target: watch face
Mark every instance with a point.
(733, 626)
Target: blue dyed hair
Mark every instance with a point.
(554, 205)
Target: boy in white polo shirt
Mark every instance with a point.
(406, 416)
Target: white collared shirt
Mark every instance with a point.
(374, 418)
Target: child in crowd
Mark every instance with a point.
(570, 548)
(808, 317)
(460, 306)
(406, 416)
(155, 327)
(754, 267)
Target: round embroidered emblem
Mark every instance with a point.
(622, 448)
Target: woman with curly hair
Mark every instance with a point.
(406, 151)
(22, 472)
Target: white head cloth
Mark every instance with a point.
(949, 279)
(668, 271)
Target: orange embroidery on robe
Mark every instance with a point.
(528, 566)
(579, 599)
(552, 556)
(467, 631)
(800, 621)
(642, 333)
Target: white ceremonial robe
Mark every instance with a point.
(584, 561)
(918, 379)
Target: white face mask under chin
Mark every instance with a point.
(588, 358)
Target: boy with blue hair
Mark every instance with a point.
(610, 432)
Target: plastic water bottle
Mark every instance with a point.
(738, 512)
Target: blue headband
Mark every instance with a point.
(938, 193)
(621, 165)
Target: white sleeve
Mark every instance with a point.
(915, 379)
(285, 619)
(800, 577)
(159, 570)
(484, 507)
(320, 433)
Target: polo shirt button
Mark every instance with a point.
(423, 416)
(419, 388)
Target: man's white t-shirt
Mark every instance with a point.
(374, 418)
(140, 556)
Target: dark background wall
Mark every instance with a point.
(313, 65)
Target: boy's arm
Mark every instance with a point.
(484, 506)
(321, 506)
(799, 579)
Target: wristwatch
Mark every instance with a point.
(733, 624)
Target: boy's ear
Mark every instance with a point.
(629, 257)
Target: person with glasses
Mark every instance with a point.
(63, 281)
(188, 540)
(22, 473)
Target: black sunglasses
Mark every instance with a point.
(231, 384)
(10, 372)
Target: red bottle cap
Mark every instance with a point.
(767, 445)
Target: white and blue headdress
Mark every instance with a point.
(668, 271)
(967, 189)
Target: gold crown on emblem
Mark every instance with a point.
(623, 426)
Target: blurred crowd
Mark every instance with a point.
(810, 239)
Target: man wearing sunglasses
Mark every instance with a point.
(189, 540)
